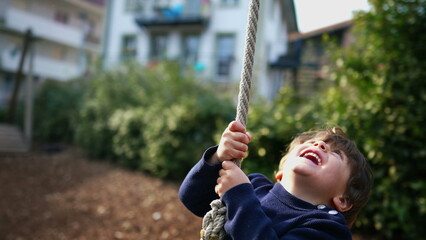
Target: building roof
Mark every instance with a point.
(294, 36)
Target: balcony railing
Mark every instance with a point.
(43, 66)
(45, 28)
(196, 14)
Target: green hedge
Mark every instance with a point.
(168, 140)
(152, 119)
(106, 92)
(56, 109)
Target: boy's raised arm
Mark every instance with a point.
(198, 189)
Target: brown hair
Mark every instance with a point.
(360, 179)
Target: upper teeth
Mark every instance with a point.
(313, 155)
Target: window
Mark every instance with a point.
(6, 87)
(158, 46)
(225, 54)
(161, 4)
(190, 48)
(229, 2)
(192, 7)
(9, 83)
(61, 17)
(22, 5)
(58, 52)
(128, 46)
(134, 5)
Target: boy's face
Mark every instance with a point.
(317, 169)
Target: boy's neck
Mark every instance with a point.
(305, 194)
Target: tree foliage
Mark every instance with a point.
(382, 91)
(379, 98)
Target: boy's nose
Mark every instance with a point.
(321, 145)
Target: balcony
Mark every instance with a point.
(195, 14)
(44, 28)
(43, 66)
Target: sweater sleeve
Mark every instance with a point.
(197, 189)
(245, 216)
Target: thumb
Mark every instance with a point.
(227, 165)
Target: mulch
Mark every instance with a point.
(61, 194)
(64, 195)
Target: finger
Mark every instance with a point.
(236, 126)
(237, 141)
(239, 146)
(236, 136)
(249, 136)
(240, 137)
(222, 172)
(232, 154)
(218, 190)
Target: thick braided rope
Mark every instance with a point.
(214, 220)
(247, 67)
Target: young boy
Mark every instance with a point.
(323, 182)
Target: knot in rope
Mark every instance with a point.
(214, 221)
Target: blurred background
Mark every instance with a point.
(105, 105)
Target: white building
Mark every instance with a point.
(206, 34)
(67, 36)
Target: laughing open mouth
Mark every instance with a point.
(313, 157)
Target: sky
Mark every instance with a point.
(314, 14)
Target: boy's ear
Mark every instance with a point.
(342, 203)
(279, 175)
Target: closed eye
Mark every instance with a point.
(339, 153)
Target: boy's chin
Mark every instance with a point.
(304, 170)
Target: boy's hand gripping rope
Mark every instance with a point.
(214, 220)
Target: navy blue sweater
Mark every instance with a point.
(260, 209)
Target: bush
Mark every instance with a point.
(127, 142)
(55, 110)
(177, 136)
(122, 88)
(158, 119)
